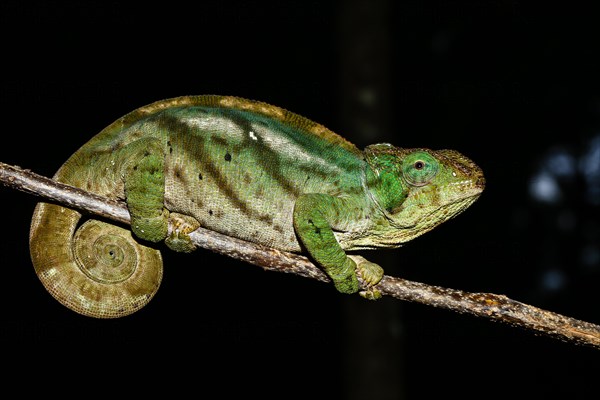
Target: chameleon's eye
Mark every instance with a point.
(419, 168)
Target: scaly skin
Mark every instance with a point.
(246, 169)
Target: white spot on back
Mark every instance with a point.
(253, 135)
(212, 123)
(280, 144)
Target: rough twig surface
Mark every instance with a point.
(488, 305)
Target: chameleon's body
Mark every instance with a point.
(245, 169)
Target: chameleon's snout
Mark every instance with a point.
(476, 176)
(480, 182)
(465, 167)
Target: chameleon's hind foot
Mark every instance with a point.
(370, 274)
(178, 238)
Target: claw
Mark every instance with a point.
(371, 294)
(371, 274)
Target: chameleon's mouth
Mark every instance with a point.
(479, 183)
(468, 187)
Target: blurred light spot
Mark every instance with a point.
(589, 165)
(590, 162)
(553, 279)
(367, 96)
(560, 163)
(543, 187)
(590, 256)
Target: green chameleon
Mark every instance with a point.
(245, 169)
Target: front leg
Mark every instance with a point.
(314, 216)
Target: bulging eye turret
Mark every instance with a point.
(419, 168)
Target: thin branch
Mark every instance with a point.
(488, 305)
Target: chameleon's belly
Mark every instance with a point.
(241, 177)
(263, 215)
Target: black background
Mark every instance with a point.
(509, 84)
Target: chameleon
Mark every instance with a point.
(246, 169)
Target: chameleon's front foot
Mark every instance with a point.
(371, 274)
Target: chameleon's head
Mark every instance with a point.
(418, 189)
